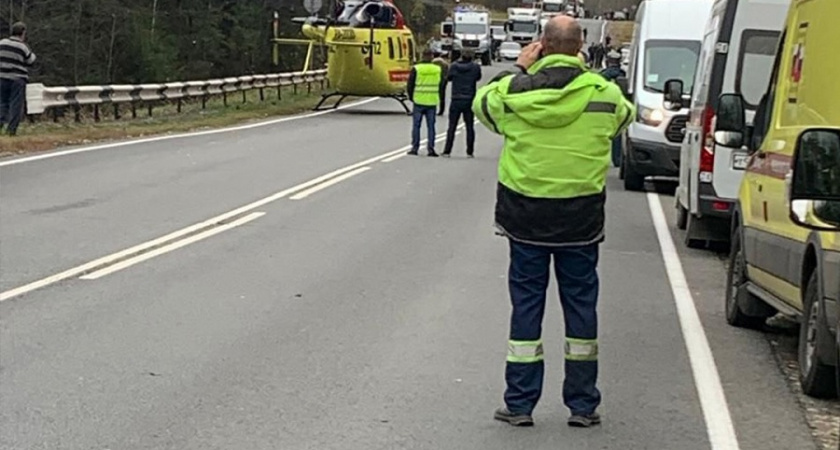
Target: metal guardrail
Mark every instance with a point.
(40, 98)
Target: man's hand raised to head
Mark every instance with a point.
(529, 55)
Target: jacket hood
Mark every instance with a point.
(562, 89)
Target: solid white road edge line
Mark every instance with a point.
(84, 268)
(719, 424)
(179, 136)
(170, 247)
(328, 183)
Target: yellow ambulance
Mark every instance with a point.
(785, 253)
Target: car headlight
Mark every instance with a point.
(650, 116)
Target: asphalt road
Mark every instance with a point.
(370, 314)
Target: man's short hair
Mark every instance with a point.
(18, 29)
(467, 55)
(565, 39)
(428, 55)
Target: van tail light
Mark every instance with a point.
(707, 153)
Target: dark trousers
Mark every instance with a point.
(421, 111)
(577, 277)
(457, 108)
(616, 151)
(12, 97)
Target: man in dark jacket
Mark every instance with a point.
(612, 73)
(463, 75)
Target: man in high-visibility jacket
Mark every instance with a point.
(558, 120)
(426, 85)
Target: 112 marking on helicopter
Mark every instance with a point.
(370, 50)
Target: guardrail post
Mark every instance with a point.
(224, 98)
(96, 113)
(150, 109)
(179, 106)
(294, 85)
(133, 110)
(279, 95)
(204, 102)
(55, 115)
(322, 84)
(78, 111)
(244, 96)
(262, 95)
(308, 87)
(116, 111)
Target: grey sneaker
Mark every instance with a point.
(584, 421)
(517, 420)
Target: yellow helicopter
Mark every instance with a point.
(370, 50)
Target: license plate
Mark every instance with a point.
(740, 161)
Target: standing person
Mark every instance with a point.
(463, 75)
(425, 88)
(557, 119)
(444, 67)
(612, 73)
(15, 60)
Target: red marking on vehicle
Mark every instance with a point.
(399, 75)
(798, 62)
(774, 165)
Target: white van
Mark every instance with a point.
(666, 45)
(737, 56)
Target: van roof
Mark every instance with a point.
(683, 19)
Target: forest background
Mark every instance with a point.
(154, 41)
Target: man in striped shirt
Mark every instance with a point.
(15, 60)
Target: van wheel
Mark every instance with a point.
(682, 216)
(817, 379)
(632, 180)
(737, 293)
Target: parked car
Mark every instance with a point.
(663, 49)
(785, 252)
(510, 50)
(710, 174)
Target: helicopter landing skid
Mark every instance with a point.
(402, 98)
(326, 97)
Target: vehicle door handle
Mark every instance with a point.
(761, 155)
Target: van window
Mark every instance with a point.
(755, 63)
(666, 60)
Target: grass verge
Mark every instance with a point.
(620, 31)
(47, 135)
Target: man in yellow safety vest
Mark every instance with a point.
(426, 85)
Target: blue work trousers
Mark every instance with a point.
(577, 277)
(421, 111)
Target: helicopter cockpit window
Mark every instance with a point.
(383, 15)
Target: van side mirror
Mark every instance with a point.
(674, 94)
(731, 122)
(813, 186)
(624, 84)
